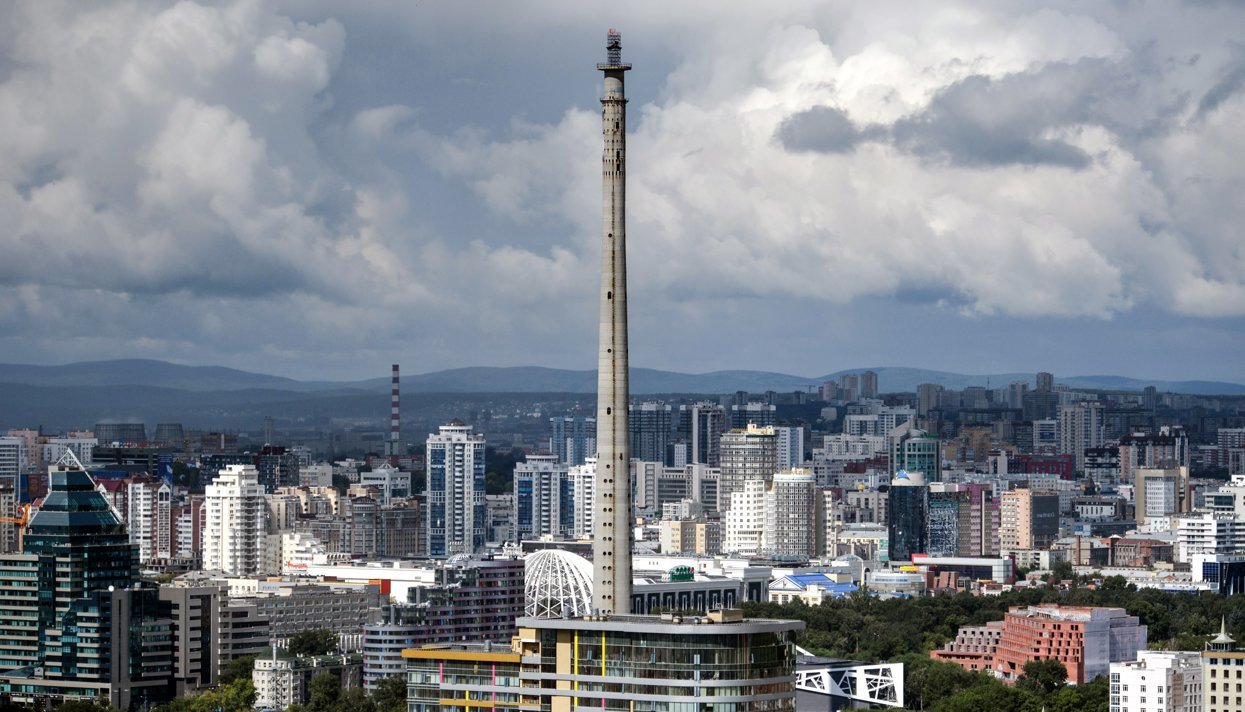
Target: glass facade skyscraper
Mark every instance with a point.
(75, 620)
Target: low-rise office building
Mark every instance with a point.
(722, 661)
(284, 681)
(1157, 681)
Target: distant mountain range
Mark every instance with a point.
(158, 391)
(535, 379)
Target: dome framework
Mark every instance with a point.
(557, 584)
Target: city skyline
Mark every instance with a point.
(324, 190)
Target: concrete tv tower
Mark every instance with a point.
(611, 548)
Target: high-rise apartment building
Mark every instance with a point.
(790, 447)
(401, 529)
(978, 521)
(790, 505)
(583, 496)
(849, 387)
(277, 467)
(1158, 493)
(148, 517)
(13, 459)
(544, 503)
(869, 384)
(829, 391)
(235, 521)
(927, 398)
(747, 453)
(743, 524)
(703, 424)
(9, 509)
(650, 427)
(473, 599)
(1166, 450)
(1080, 427)
(572, 438)
(1045, 382)
(455, 490)
(1027, 520)
(759, 414)
(1015, 394)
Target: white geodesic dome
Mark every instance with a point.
(557, 584)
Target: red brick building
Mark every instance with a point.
(1085, 639)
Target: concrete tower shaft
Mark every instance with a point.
(611, 548)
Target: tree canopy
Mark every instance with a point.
(237, 669)
(313, 641)
(390, 694)
(863, 627)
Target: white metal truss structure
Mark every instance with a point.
(557, 584)
(70, 460)
(880, 685)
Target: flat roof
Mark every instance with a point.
(656, 624)
(443, 652)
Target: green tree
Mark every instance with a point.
(499, 469)
(1062, 571)
(85, 706)
(991, 696)
(237, 696)
(1093, 695)
(313, 641)
(1043, 676)
(927, 681)
(354, 700)
(390, 694)
(323, 692)
(239, 668)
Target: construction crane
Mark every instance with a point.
(21, 521)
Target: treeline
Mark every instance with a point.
(866, 628)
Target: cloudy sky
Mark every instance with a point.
(318, 189)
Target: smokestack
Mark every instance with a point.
(395, 420)
(611, 548)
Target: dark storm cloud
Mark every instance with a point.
(980, 121)
(1223, 90)
(986, 122)
(824, 129)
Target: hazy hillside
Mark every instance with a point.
(158, 391)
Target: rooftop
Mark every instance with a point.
(671, 625)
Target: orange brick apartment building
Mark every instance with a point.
(1085, 639)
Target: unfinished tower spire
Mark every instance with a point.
(611, 548)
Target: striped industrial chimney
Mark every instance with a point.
(611, 547)
(395, 421)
